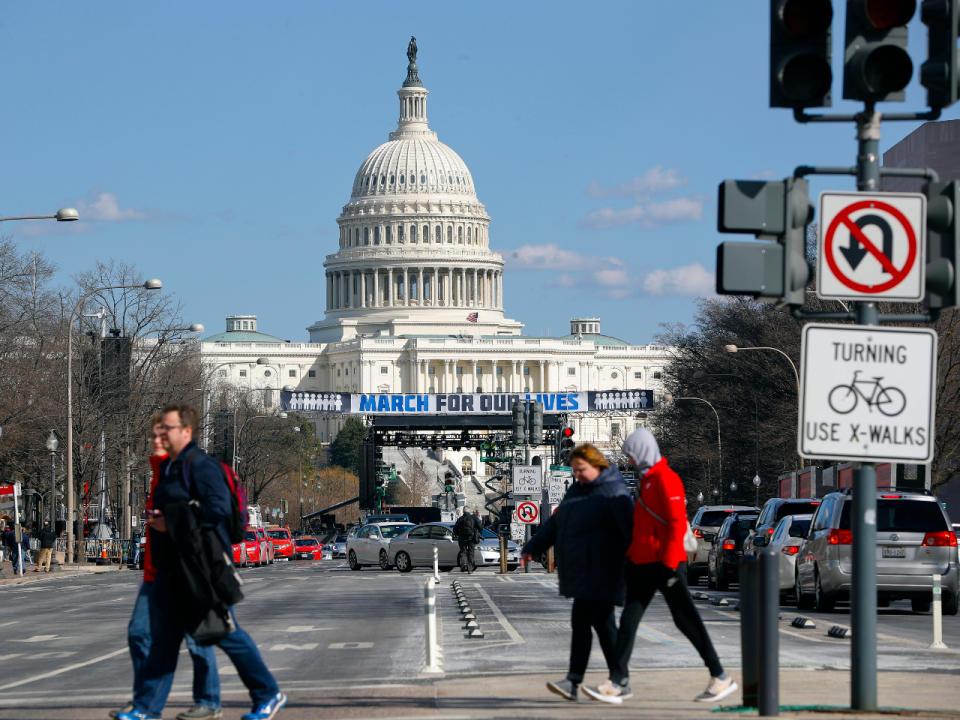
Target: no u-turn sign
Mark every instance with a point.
(871, 246)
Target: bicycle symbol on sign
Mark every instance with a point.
(889, 400)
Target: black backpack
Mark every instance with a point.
(237, 522)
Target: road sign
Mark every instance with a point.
(871, 246)
(867, 393)
(518, 532)
(528, 512)
(527, 479)
(558, 485)
(6, 489)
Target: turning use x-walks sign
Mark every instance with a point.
(871, 246)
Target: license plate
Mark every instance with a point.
(894, 552)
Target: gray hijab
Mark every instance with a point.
(642, 449)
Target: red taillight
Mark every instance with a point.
(770, 530)
(697, 532)
(729, 545)
(940, 539)
(841, 537)
(790, 549)
(891, 497)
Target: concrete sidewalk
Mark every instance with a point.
(7, 576)
(662, 694)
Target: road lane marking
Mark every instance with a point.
(40, 638)
(350, 645)
(305, 628)
(289, 646)
(62, 670)
(516, 637)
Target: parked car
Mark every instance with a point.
(774, 510)
(915, 540)
(723, 564)
(369, 546)
(252, 546)
(414, 548)
(705, 524)
(339, 546)
(266, 547)
(308, 548)
(786, 541)
(282, 541)
(487, 551)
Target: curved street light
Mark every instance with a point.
(62, 215)
(670, 398)
(793, 366)
(151, 284)
(236, 435)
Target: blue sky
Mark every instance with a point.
(214, 144)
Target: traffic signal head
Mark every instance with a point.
(777, 210)
(536, 424)
(565, 443)
(876, 65)
(519, 423)
(943, 243)
(940, 74)
(800, 74)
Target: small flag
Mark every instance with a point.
(472, 317)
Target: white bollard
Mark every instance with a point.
(430, 613)
(937, 612)
(436, 565)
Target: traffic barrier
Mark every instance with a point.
(803, 622)
(840, 632)
(431, 639)
(937, 612)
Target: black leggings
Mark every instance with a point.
(642, 582)
(586, 615)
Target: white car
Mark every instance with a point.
(369, 546)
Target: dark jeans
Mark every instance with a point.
(642, 582)
(467, 561)
(167, 632)
(206, 681)
(587, 615)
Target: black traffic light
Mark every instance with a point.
(565, 443)
(800, 74)
(940, 74)
(779, 211)
(536, 423)
(519, 422)
(448, 483)
(876, 65)
(943, 199)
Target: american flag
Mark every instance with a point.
(472, 317)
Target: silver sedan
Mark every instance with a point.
(414, 548)
(786, 541)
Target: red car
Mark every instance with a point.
(259, 548)
(282, 542)
(308, 548)
(240, 558)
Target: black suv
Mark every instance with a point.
(723, 564)
(774, 510)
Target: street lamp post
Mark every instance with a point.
(719, 447)
(756, 484)
(52, 445)
(62, 215)
(793, 366)
(236, 435)
(151, 284)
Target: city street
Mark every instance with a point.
(322, 627)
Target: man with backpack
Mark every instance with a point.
(468, 531)
(194, 507)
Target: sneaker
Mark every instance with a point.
(201, 712)
(564, 688)
(137, 715)
(717, 689)
(125, 709)
(609, 692)
(268, 709)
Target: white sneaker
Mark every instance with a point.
(609, 692)
(717, 689)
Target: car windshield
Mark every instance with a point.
(488, 533)
(390, 531)
(902, 515)
(742, 526)
(798, 528)
(713, 518)
(341, 538)
(251, 536)
(796, 508)
(279, 534)
(302, 542)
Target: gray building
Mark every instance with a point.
(932, 145)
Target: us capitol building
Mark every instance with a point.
(414, 301)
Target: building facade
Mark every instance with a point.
(414, 301)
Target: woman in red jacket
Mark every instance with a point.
(656, 560)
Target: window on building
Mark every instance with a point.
(459, 390)
(449, 234)
(338, 372)
(267, 397)
(526, 371)
(389, 234)
(366, 236)
(499, 370)
(460, 234)
(223, 372)
(479, 371)
(614, 374)
(657, 374)
(376, 235)
(292, 373)
(469, 235)
(413, 233)
(458, 371)
(615, 429)
(431, 371)
(400, 233)
(267, 373)
(637, 375)
(311, 373)
(425, 234)
(384, 369)
(243, 373)
(571, 371)
(437, 234)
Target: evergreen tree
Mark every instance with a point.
(345, 448)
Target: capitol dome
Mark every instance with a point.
(414, 244)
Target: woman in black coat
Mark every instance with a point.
(591, 531)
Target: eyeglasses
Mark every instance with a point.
(170, 427)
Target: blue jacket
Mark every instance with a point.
(207, 485)
(591, 531)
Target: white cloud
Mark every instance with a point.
(106, 208)
(651, 214)
(552, 257)
(610, 277)
(564, 280)
(686, 280)
(655, 180)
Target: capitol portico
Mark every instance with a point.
(414, 300)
